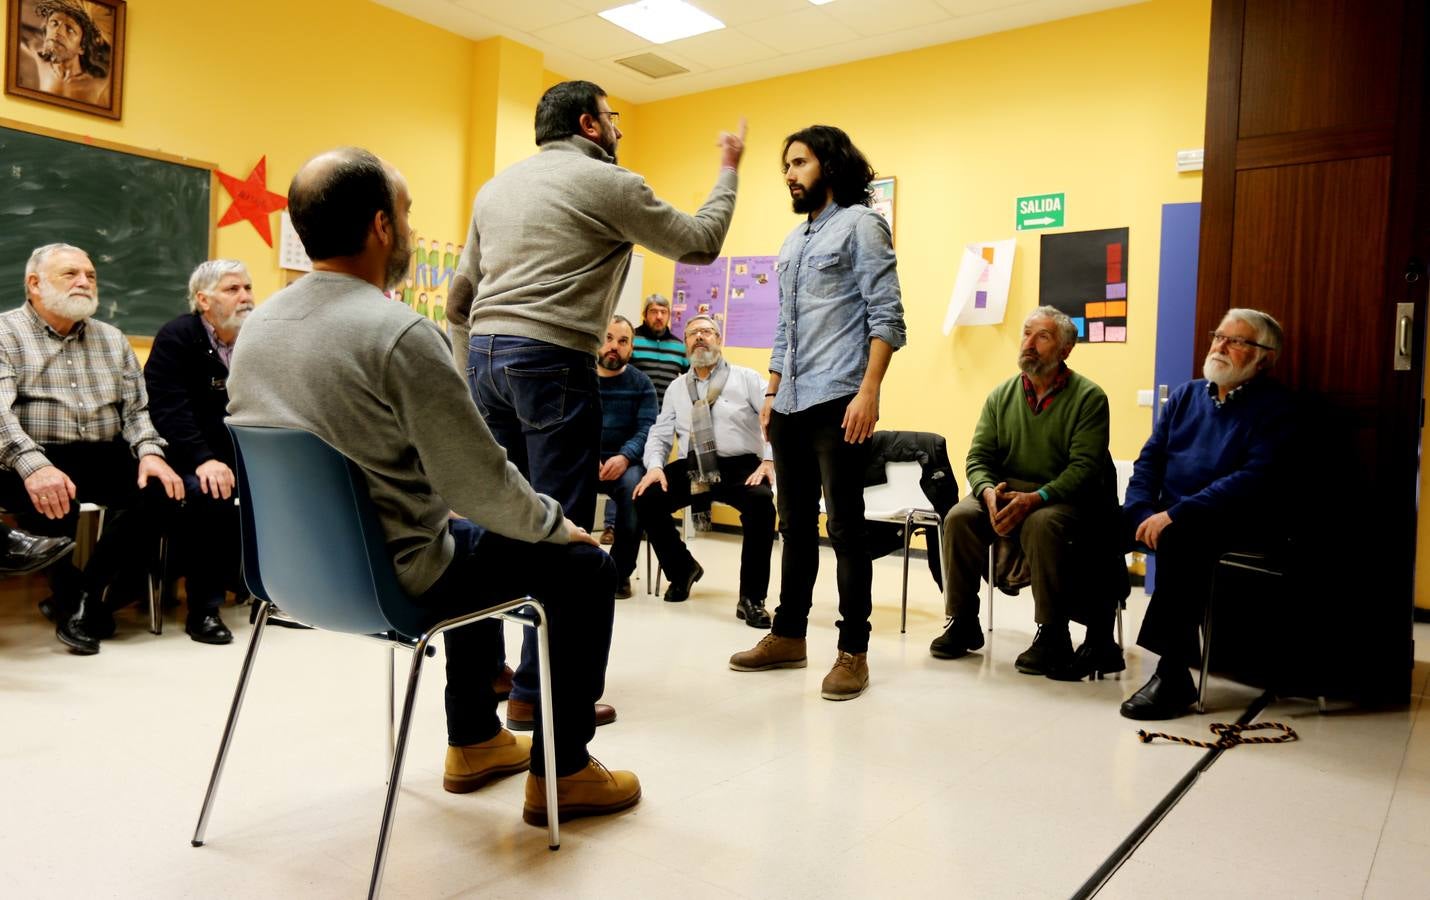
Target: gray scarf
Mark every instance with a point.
(705, 469)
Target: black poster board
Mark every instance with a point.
(145, 221)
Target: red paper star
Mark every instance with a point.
(252, 200)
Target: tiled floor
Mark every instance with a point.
(947, 779)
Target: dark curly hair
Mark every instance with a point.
(841, 164)
(94, 49)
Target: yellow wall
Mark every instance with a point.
(1096, 106)
(227, 83)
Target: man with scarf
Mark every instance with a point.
(712, 413)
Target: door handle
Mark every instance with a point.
(1404, 335)
(1162, 392)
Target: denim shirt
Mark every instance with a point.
(838, 289)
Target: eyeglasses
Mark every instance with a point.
(614, 116)
(703, 331)
(1235, 343)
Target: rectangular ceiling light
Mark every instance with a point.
(820, 2)
(660, 21)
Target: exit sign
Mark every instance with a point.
(1040, 211)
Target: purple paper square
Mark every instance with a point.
(1117, 291)
(980, 300)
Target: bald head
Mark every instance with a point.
(334, 197)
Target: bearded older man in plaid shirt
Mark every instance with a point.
(74, 427)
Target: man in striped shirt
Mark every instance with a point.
(659, 353)
(74, 427)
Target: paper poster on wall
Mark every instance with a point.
(698, 291)
(752, 309)
(980, 292)
(291, 254)
(1084, 274)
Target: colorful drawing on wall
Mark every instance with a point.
(67, 52)
(980, 292)
(698, 290)
(883, 191)
(434, 263)
(752, 310)
(1084, 274)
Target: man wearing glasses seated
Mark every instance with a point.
(1199, 488)
(712, 413)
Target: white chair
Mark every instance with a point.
(901, 500)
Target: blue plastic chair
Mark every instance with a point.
(312, 544)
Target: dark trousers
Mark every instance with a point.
(543, 405)
(577, 584)
(205, 548)
(105, 473)
(1186, 562)
(811, 456)
(1046, 539)
(621, 513)
(755, 504)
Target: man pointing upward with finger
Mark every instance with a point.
(546, 257)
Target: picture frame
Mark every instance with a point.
(882, 192)
(67, 53)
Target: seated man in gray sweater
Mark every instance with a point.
(333, 356)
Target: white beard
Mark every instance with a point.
(68, 306)
(704, 357)
(1219, 370)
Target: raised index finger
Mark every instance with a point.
(743, 129)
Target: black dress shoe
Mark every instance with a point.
(1093, 658)
(753, 612)
(25, 552)
(1051, 649)
(678, 591)
(959, 636)
(1161, 698)
(624, 591)
(76, 629)
(209, 629)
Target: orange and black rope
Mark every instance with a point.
(1228, 735)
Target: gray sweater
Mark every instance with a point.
(333, 356)
(550, 242)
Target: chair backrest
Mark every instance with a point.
(312, 541)
(899, 493)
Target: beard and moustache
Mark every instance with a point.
(611, 362)
(397, 262)
(808, 199)
(704, 357)
(1222, 372)
(71, 306)
(1035, 366)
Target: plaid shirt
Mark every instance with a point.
(68, 389)
(1060, 381)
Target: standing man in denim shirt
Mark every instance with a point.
(547, 254)
(840, 322)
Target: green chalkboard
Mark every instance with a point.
(144, 222)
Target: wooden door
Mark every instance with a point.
(1314, 209)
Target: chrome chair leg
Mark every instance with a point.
(227, 740)
(156, 592)
(548, 741)
(1206, 659)
(399, 756)
(989, 604)
(391, 702)
(908, 534)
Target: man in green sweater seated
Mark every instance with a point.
(1039, 473)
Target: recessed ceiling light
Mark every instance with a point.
(660, 21)
(820, 2)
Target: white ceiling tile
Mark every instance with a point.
(721, 49)
(887, 15)
(738, 12)
(527, 15)
(592, 37)
(804, 29)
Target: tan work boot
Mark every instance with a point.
(772, 652)
(848, 679)
(593, 791)
(472, 766)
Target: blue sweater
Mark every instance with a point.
(627, 411)
(1205, 462)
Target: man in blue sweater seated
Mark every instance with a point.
(627, 412)
(1201, 487)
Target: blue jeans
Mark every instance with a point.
(543, 405)
(622, 511)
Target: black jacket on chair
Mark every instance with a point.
(930, 451)
(188, 394)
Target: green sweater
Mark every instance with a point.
(1062, 449)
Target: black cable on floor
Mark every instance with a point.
(1139, 834)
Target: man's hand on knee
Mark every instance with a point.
(654, 476)
(50, 491)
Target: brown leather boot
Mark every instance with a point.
(521, 716)
(772, 652)
(848, 679)
(593, 791)
(472, 766)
